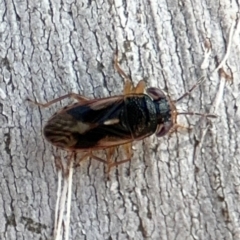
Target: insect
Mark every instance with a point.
(106, 123)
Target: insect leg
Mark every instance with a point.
(118, 68)
(98, 159)
(140, 87)
(91, 155)
(128, 149)
(110, 152)
(128, 88)
(69, 95)
(176, 128)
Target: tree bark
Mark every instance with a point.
(182, 186)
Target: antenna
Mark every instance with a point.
(198, 114)
(200, 81)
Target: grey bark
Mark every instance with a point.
(185, 186)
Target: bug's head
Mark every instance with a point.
(165, 110)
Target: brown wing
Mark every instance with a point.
(90, 124)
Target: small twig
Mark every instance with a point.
(62, 203)
(57, 201)
(219, 95)
(70, 174)
(230, 39)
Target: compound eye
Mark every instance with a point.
(163, 129)
(155, 93)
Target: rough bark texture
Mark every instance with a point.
(182, 187)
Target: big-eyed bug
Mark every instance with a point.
(106, 123)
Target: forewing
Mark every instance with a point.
(96, 111)
(91, 124)
(97, 123)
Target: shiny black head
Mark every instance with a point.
(163, 111)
